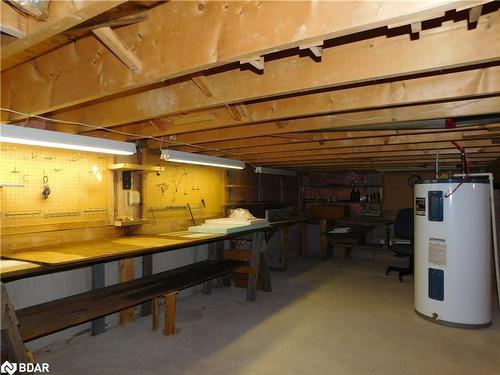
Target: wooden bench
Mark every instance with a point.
(46, 318)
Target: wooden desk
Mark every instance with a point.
(361, 226)
(324, 228)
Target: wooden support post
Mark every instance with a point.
(219, 255)
(170, 300)
(264, 265)
(323, 240)
(284, 248)
(98, 281)
(303, 242)
(12, 342)
(147, 270)
(254, 263)
(127, 273)
(156, 313)
(111, 40)
(212, 255)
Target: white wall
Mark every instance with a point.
(40, 289)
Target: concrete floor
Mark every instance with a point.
(321, 318)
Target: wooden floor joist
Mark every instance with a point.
(470, 49)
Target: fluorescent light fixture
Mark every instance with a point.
(48, 138)
(189, 158)
(279, 172)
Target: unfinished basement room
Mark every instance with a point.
(250, 187)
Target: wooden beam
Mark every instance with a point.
(201, 83)
(12, 22)
(451, 86)
(368, 149)
(342, 141)
(306, 141)
(109, 38)
(238, 112)
(63, 15)
(401, 155)
(352, 120)
(308, 20)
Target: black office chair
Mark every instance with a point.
(403, 229)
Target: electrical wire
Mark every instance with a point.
(95, 127)
(466, 167)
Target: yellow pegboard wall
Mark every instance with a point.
(75, 193)
(166, 194)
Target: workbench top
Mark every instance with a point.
(54, 258)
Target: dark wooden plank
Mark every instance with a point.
(40, 320)
(98, 282)
(207, 286)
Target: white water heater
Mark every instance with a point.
(452, 276)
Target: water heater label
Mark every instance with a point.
(437, 251)
(420, 206)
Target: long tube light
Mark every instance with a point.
(276, 171)
(189, 158)
(49, 138)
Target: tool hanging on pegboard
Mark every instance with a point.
(45, 189)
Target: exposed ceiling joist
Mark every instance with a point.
(380, 116)
(106, 78)
(63, 15)
(451, 86)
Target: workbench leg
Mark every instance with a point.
(170, 300)
(219, 255)
(284, 248)
(323, 240)
(254, 264)
(12, 342)
(98, 281)
(156, 313)
(212, 254)
(303, 240)
(147, 270)
(126, 273)
(264, 266)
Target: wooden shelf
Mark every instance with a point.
(127, 223)
(135, 167)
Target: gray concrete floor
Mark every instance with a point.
(325, 317)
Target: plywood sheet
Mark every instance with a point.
(91, 250)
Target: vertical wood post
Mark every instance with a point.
(323, 241)
(170, 300)
(98, 281)
(147, 270)
(254, 264)
(126, 273)
(212, 255)
(156, 313)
